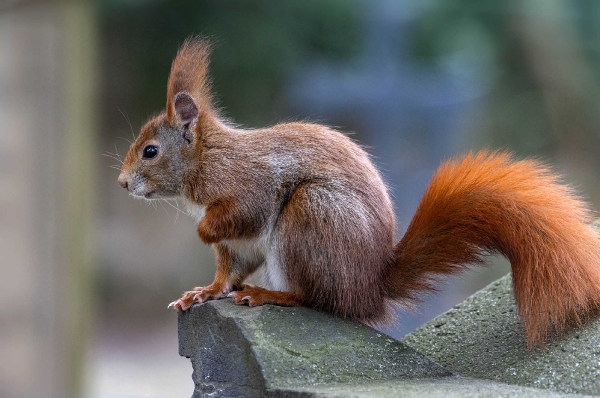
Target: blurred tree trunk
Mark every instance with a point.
(47, 112)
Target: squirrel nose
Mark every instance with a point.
(123, 182)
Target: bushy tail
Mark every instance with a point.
(485, 203)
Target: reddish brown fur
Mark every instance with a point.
(254, 296)
(306, 203)
(223, 221)
(488, 203)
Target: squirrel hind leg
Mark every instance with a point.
(332, 255)
(253, 296)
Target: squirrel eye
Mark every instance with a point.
(150, 151)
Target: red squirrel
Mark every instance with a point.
(307, 204)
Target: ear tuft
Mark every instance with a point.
(185, 108)
(189, 74)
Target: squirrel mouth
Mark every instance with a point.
(149, 195)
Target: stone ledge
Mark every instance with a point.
(482, 338)
(297, 352)
(477, 349)
(447, 387)
(277, 351)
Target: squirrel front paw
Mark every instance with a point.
(213, 291)
(184, 302)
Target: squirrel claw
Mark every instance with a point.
(201, 298)
(242, 297)
(177, 305)
(182, 304)
(248, 301)
(212, 292)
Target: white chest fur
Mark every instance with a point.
(194, 210)
(264, 251)
(250, 251)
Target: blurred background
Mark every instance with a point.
(87, 272)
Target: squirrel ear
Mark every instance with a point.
(186, 109)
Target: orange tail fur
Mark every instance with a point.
(485, 203)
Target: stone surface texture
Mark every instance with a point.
(241, 351)
(447, 387)
(482, 338)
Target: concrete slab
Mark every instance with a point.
(482, 338)
(241, 351)
(447, 387)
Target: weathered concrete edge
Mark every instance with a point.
(222, 358)
(269, 349)
(227, 346)
(483, 338)
(450, 387)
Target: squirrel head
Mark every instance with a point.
(168, 145)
